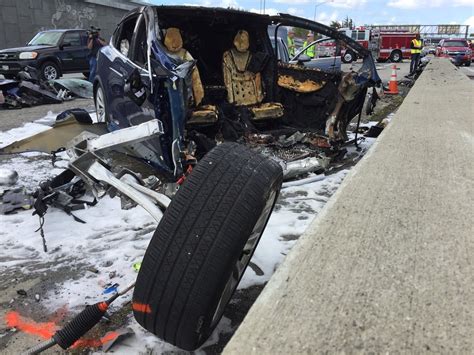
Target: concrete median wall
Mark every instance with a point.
(387, 266)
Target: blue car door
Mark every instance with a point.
(125, 112)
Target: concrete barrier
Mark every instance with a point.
(387, 266)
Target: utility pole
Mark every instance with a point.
(319, 4)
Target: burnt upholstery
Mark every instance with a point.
(200, 114)
(244, 87)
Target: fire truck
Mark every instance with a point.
(383, 45)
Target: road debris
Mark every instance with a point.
(29, 92)
(8, 177)
(22, 292)
(16, 199)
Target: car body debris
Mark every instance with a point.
(29, 91)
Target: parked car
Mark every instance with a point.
(458, 50)
(327, 63)
(52, 53)
(429, 45)
(327, 57)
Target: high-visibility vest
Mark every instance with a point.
(417, 45)
(291, 46)
(310, 52)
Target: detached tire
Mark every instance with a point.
(203, 244)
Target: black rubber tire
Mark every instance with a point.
(348, 57)
(44, 68)
(396, 56)
(199, 240)
(86, 74)
(468, 64)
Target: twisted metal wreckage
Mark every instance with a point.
(28, 90)
(175, 145)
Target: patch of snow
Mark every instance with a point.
(296, 208)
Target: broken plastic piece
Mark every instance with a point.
(121, 334)
(111, 289)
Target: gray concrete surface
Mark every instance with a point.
(387, 266)
(17, 117)
(21, 20)
(384, 69)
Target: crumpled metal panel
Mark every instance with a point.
(78, 87)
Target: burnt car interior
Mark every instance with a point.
(207, 37)
(239, 90)
(292, 96)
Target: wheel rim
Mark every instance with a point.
(348, 57)
(50, 72)
(396, 57)
(100, 105)
(247, 253)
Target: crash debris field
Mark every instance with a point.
(371, 202)
(86, 261)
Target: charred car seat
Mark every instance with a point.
(200, 115)
(244, 87)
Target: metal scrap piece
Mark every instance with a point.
(78, 87)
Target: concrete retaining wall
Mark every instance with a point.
(20, 20)
(387, 266)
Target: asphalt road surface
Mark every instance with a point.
(384, 69)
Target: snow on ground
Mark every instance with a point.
(112, 240)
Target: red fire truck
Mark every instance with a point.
(383, 45)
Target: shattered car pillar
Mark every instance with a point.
(347, 91)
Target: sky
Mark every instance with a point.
(375, 12)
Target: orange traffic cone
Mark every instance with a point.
(393, 83)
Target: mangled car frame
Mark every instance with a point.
(188, 95)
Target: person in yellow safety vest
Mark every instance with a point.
(415, 45)
(291, 43)
(310, 52)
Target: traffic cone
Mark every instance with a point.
(393, 83)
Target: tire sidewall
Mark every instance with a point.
(274, 187)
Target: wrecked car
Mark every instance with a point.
(188, 95)
(209, 76)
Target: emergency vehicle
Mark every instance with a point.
(383, 45)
